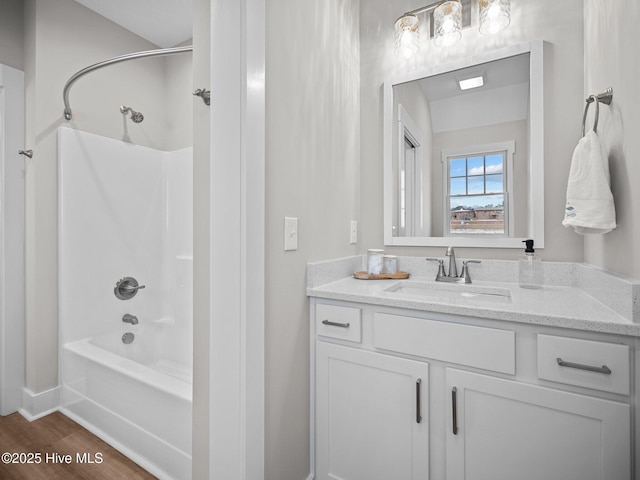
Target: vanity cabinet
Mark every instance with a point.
(372, 417)
(502, 429)
(413, 395)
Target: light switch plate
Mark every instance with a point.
(290, 234)
(354, 232)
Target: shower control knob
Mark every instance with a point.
(127, 288)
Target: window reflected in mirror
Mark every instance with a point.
(477, 191)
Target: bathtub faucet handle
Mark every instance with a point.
(128, 318)
(126, 288)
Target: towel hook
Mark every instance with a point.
(603, 97)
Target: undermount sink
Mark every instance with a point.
(452, 293)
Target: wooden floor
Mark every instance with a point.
(57, 434)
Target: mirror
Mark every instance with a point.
(463, 164)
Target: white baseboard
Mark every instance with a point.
(37, 405)
(311, 476)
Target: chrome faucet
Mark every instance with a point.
(452, 276)
(128, 318)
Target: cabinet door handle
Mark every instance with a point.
(335, 324)
(603, 369)
(418, 400)
(454, 410)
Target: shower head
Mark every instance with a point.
(136, 117)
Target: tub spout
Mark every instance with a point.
(128, 318)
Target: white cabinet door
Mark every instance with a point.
(372, 418)
(509, 430)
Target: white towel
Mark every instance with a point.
(589, 208)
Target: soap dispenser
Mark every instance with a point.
(530, 267)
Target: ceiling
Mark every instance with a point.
(503, 98)
(499, 73)
(165, 23)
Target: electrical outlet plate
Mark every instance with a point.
(290, 234)
(354, 232)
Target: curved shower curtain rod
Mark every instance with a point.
(122, 58)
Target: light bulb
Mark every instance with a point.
(447, 18)
(495, 16)
(407, 36)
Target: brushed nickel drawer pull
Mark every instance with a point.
(418, 400)
(603, 369)
(335, 324)
(454, 410)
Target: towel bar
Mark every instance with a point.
(603, 97)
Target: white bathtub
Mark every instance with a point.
(153, 347)
(133, 397)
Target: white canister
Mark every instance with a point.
(390, 264)
(374, 261)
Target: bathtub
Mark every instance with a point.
(133, 397)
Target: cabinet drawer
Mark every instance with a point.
(339, 322)
(585, 363)
(487, 348)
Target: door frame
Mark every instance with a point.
(229, 404)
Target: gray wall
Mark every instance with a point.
(611, 60)
(558, 23)
(11, 33)
(312, 173)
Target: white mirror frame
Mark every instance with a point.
(536, 150)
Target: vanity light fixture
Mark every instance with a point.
(495, 16)
(469, 83)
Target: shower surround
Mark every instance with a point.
(126, 211)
